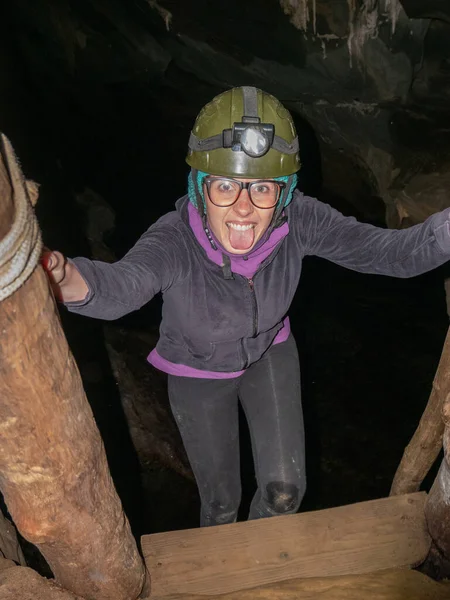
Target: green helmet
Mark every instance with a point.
(244, 132)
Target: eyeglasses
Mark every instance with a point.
(224, 191)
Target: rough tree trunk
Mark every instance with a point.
(53, 470)
(426, 443)
(437, 508)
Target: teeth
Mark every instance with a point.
(240, 227)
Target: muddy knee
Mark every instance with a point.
(217, 513)
(283, 497)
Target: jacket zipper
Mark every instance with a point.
(254, 306)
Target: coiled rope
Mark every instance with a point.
(20, 249)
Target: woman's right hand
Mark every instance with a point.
(66, 281)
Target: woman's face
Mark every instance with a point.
(240, 226)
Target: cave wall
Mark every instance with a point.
(366, 80)
(99, 97)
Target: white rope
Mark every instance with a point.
(20, 249)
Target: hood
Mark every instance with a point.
(245, 265)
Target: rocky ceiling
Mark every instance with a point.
(435, 9)
(368, 82)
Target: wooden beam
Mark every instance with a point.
(437, 512)
(437, 508)
(359, 538)
(54, 474)
(394, 584)
(426, 443)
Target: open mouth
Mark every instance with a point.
(241, 235)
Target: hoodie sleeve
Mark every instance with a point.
(116, 289)
(325, 232)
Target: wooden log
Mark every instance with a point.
(53, 469)
(21, 583)
(363, 537)
(426, 443)
(437, 508)
(437, 512)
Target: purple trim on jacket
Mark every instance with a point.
(184, 371)
(245, 267)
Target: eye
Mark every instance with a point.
(225, 186)
(263, 188)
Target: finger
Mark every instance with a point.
(54, 264)
(58, 268)
(46, 260)
(52, 260)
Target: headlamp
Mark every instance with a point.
(252, 137)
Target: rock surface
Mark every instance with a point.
(368, 80)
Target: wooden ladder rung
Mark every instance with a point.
(358, 538)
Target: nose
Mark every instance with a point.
(243, 205)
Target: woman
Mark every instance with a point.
(228, 262)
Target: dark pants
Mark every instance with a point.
(206, 411)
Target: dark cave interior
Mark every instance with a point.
(101, 96)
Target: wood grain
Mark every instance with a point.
(426, 443)
(394, 584)
(358, 538)
(54, 474)
(437, 509)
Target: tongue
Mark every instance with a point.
(242, 240)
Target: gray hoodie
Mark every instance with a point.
(219, 321)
